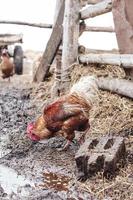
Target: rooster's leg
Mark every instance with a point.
(67, 144)
(65, 147)
(82, 138)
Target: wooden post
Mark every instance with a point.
(123, 21)
(55, 90)
(70, 40)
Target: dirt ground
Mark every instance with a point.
(35, 171)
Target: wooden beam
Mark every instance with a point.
(94, 1)
(95, 10)
(120, 86)
(51, 48)
(7, 39)
(101, 51)
(99, 29)
(126, 60)
(83, 50)
(38, 25)
(85, 2)
(70, 39)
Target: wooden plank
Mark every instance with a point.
(51, 48)
(95, 10)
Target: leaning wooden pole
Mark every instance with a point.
(51, 47)
(70, 40)
(55, 90)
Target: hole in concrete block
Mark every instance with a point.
(109, 143)
(93, 144)
(100, 161)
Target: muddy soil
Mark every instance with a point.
(29, 170)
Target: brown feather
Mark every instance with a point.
(6, 66)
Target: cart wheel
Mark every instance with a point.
(18, 60)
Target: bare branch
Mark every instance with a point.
(99, 29)
(40, 25)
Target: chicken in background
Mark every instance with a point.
(67, 114)
(6, 65)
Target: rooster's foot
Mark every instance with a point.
(65, 147)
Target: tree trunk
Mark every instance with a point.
(120, 86)
(125, 60)
(70, 40)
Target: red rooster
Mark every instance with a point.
(67, 114)
(6, 65)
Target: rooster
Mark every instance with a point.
(6, 65)
(67, 114)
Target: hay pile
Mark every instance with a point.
(111, 71)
